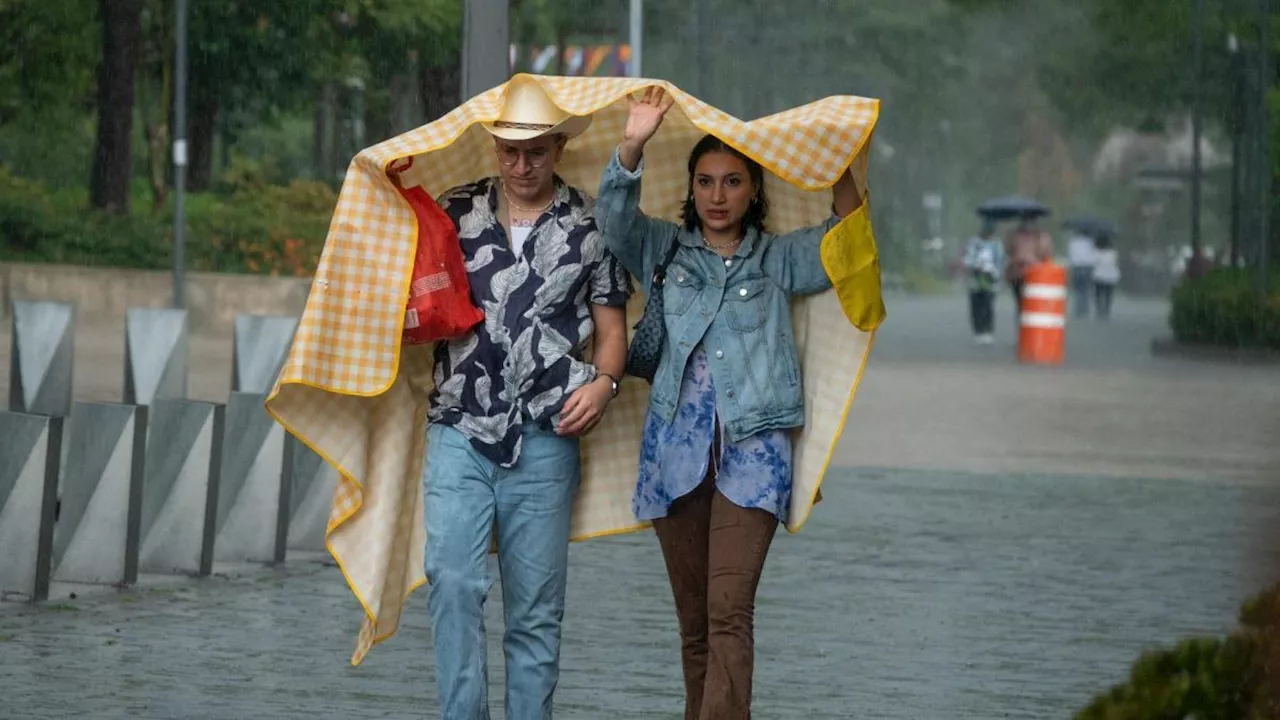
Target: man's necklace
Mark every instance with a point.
(517, 206)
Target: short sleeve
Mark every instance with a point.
(610, 282)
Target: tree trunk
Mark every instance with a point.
(204, 124)
(324, 133)
(441, 88)
(112, 157)
(406, 101)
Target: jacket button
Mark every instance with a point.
(743, 292)
(728, 263)
(680, 278)
(730, 393)
(719, 353)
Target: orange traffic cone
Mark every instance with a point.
(1043, 321)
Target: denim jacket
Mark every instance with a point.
(738, 307)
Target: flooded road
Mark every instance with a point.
(999, 542)
(909, 595)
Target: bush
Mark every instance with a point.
(1234, 678)
(1223, 308)
(253, 228)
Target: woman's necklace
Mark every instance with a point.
(517, 206)
(721, 246)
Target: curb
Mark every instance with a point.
(1166, 347)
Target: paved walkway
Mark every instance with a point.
(1001, 542)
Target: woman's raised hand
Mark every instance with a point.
(643, 121)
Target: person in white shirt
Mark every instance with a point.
(1082, 256)
(1106, 275)
(983, 259)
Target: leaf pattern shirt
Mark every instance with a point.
(524, 361)
(754, 472)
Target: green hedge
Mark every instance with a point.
(1232, 678)
(1223, 308)
(246, 227)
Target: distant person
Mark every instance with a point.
(1027, 245)
(1106, 275)
(983, 261)
(1082, 255)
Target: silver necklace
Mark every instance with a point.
(721, 246)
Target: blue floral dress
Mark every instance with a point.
(674, 457)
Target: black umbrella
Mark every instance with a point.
(1094, 227)
(1012, 206)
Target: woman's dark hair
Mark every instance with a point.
(757, 211)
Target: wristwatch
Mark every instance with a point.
(613, 382)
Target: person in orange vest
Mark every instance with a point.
(1027, 245)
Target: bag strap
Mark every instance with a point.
(660, 272)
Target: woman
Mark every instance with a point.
(1027, 245)
(715, 465)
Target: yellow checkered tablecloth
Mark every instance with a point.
(354, 395)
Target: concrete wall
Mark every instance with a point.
(102, 295)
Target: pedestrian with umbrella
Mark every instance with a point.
(1088, 234)
(1027, 244)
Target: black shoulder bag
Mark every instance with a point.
(651, 332)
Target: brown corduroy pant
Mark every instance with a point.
(715, 553)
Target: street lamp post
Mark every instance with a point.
(637, 37)
(1237, 101)
(179, 150)
(1264, 221)
(486, 43)
(1197, 51)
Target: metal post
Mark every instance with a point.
(486, 45)
(1197, 26)
(1237, 156)
(637, 37)
(179, 149)
(1264, 180)
(700, 49)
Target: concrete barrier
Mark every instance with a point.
(311, 495)
(41, 358)
(180, 487)
(155, 359)
(103, 295)
(30, 448)
(254, 490)
(96, 536)
(260, 345)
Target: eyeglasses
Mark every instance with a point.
(535, 158)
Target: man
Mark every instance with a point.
(512, 398)
(983, 259)
(1082, 256)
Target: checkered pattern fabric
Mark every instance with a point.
(351, 392)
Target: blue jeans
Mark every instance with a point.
(531, 502)
(1081, 286)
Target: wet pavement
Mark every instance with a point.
(965, 564)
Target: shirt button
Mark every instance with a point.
(728, 263)
(680, 278)
(719, 353)
(730, 393)
(743, 292)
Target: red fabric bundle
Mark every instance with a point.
(439, 306)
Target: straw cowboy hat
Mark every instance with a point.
(528, 112)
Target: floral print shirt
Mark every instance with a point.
(524, 361)
(754, 472)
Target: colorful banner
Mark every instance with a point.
(576, 60)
